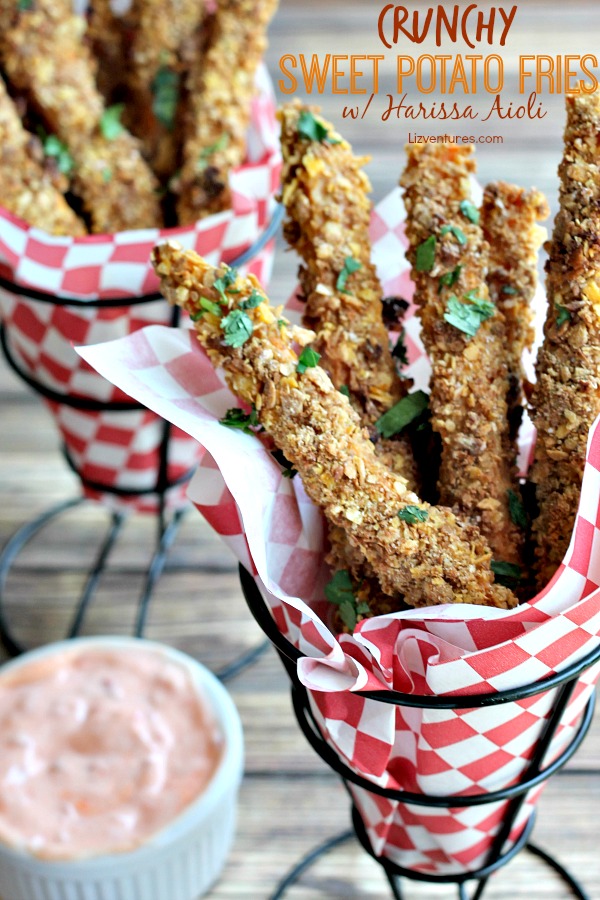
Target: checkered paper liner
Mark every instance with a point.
(277, 533)
(121, 449)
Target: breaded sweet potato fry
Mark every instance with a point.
(220, 89)
(420, 552)
(566, 397)
(44, 53)
(509, 217)
(29, 186)
(464, 335)
(326, 195)
(161, 29)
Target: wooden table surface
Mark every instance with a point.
(289, 800)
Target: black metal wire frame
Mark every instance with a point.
(564, 682)
(167, 530)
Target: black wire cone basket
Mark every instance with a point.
(503, 849)
(152, 482)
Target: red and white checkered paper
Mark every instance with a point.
(277, 533)
(121, 449)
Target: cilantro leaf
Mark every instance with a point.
(207, 152)
(312, 129)
(456, 232)
(339, 591)
(507, 574)
(467, 317)
(288, 469)
(165, 95)
(254, 300)
(237, 327)
(402, 414)
(24, 5)
(425, 256)
(345, 390)
(55, 148)
(562, 315)
(110, 121)
(237, 418)
(507, 289)
(449, 279)
(413, 514)
(516, 509)
(399, 351)
(470, 211)
(307, 360)
(350, 265)
(224, 282)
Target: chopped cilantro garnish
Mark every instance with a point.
(307, 360)
(237, 327)
(562, 315)
(345, 390)
(456, 232)
(507, 574)
(282, 323)
(24, 5)
(470, 211)
(254, 300)
(288, 469)
(55, 148)
(209, 151)
(507, 289)
(467, 317)
(425, 257)
(165, 94)
(449, 279)
(237, 418)
(516, 509)
(313, 129)
(339, 591)
(402, 414)
(399, 351)
(224, 282)
(413, 514)
(110, 121)
(350, 265)
(106, 175)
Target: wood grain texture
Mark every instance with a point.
(289, 800)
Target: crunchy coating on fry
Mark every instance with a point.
(161, 26)
(469, 374)
(220, 90)
(29, 187)
(326, 195)
(566, 398)
(509, 217)
(45, 54)
(437, 560)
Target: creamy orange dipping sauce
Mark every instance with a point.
(99, 749)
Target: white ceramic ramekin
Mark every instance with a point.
(182, 860)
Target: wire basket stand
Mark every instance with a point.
(536, 773)
(167, 524)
